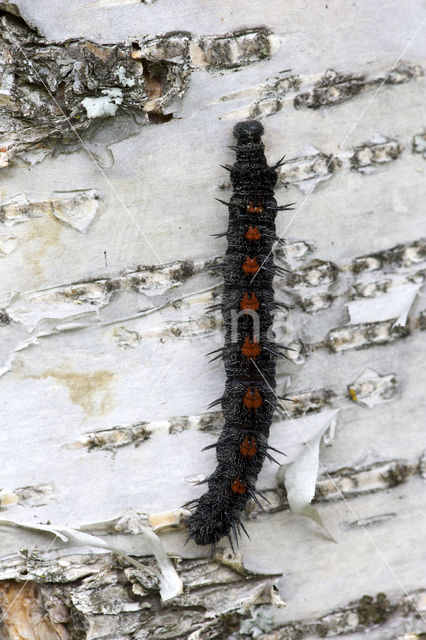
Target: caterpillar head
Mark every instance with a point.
(248, 131)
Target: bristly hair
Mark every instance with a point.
(249, 355)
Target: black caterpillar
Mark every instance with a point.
(249, 353)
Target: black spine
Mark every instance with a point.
(249, 352)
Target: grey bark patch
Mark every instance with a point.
(114, 438)
(421, 323)
(316, 302)
(232, 50)
(400, 256)
(403, 73)
(10, 7)
(371, 521)
(184, 271)
(305, 402)
(419, 144)
(371, 388)
(126, 339)
(236, 49)
(396, 475)
(295, 252)
(306, 172)
(260, 622)
(355, 616)
(212, 422)
(350, 482)
(372, 611)
(274, 93)
(317, 273)
(365, 335)
(365, 158)
(346, 483)
(369, 289)
(54, 90)
(4, 318)
(332, 88)
(172, 47)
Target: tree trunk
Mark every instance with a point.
(115, 116)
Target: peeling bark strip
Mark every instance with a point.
(77, 209)
(27, 496)
(54, 90)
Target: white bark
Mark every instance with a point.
(105, 243)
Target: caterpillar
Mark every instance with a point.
(250, 351)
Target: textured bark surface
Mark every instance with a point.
(114, 118)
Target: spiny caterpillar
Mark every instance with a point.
(250, 352)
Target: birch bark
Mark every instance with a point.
(114, 118)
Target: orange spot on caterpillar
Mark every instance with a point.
(254, 207)
(253, 233)
(250, 349)
(250, 265)
(252, 399)
(250, 302)
(248, 447)
(238, 486)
